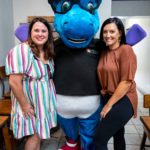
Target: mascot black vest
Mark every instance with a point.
(75, 70)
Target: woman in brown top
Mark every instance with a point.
(116, 71)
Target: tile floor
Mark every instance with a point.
(133, 130)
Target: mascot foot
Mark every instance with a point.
(71, 145)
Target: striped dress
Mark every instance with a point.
(39, 90)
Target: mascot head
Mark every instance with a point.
(76, 21)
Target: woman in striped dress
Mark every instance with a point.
(30, 68)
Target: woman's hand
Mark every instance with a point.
(105, 110)
(15, 81)
(120, 91)
(27, 110)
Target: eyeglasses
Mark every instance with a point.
(62, 6)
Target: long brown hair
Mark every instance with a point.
(101, 45)
(48, 46)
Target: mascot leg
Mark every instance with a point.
(87, 130)
(78, 116)
(71, 130)
(84, 126)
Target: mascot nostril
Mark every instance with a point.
(81, 32)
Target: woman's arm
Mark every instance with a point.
(120, 91)
(15, 81)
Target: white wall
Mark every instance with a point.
(142, 50)
(25, 8)
(131, 8)
(104, 12)
(6, 32)
(6, 28)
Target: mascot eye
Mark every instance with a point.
(90, 7)
(65, 6)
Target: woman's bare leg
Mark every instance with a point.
(33, 143)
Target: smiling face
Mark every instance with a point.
(111, 35)
(39, 34)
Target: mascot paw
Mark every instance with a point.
(70, 145)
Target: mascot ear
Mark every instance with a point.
(22, 32)
(135, 34)
(53, 4)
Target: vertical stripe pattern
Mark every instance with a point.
(39, 90)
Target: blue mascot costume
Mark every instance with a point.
(75, 77)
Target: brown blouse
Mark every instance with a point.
(116, 66)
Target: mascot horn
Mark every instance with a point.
(75, 77)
